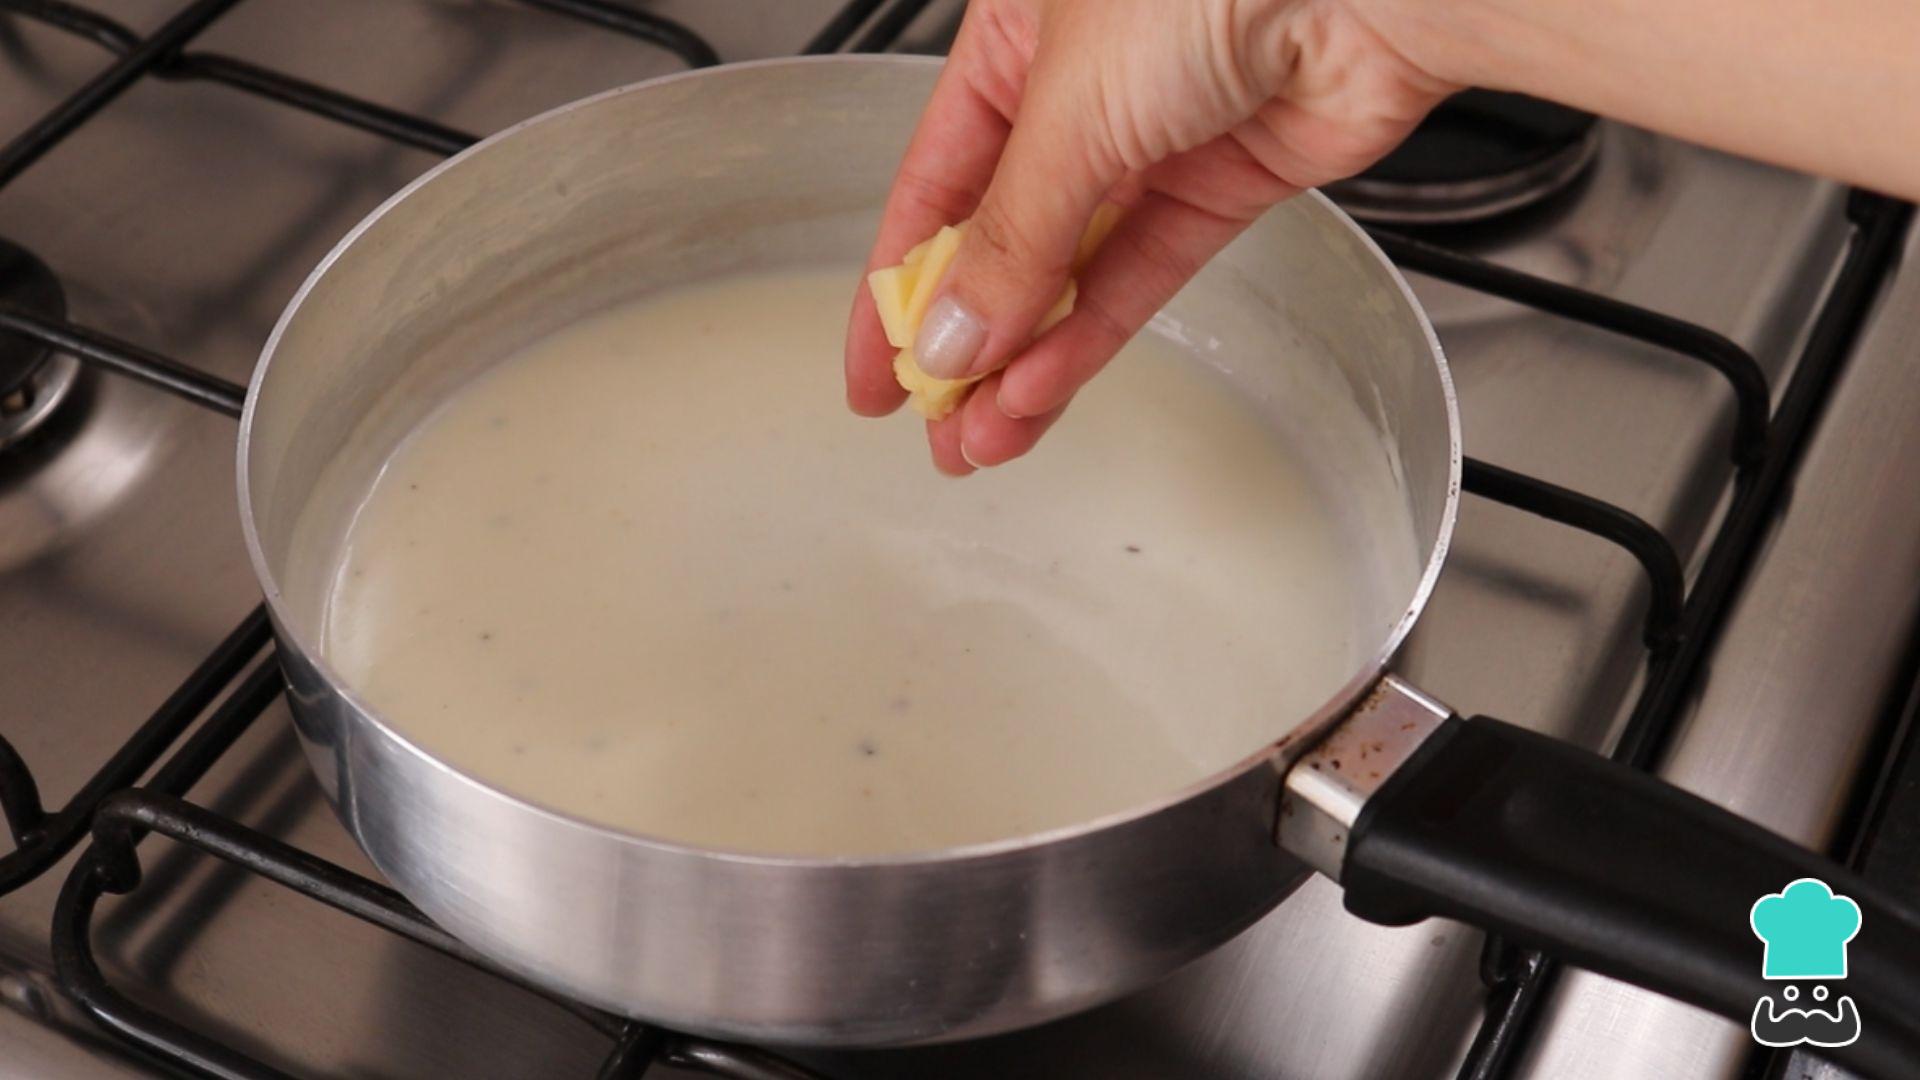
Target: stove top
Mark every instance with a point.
(1480, 155)
(1686, 385)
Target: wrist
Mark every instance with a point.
(1460, 42)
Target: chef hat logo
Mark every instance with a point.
(1806, 929)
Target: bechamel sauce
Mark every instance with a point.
(651, 572)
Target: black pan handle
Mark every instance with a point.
(1615, 871)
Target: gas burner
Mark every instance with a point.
(1481, 154)
(33, 379)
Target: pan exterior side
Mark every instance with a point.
(820, 954)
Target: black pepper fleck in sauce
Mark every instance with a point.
(867, 747)
(1133, 549)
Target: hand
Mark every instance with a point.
(1196, 115)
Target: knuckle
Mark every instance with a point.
(935, 194)
(1167, 262)
(999, 241)
(1006, 266)
(1112, 330)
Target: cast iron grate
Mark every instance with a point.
(1680, 623)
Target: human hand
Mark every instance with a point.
(1196, 115)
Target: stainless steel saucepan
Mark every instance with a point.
(1416, 811)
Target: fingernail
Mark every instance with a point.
(968, 458)
(950, 337)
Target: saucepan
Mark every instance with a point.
(1414, 810)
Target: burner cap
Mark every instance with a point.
(33, 380)
(1479, 155)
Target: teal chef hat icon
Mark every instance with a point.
(1806, 929)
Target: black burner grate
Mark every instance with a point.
(1681, 621)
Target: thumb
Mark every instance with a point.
(1016, 254)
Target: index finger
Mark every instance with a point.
(946, 169)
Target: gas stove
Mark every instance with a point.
(1692, 538)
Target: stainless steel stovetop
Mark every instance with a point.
(184, 215)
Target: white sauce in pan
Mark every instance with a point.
(650, 572)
